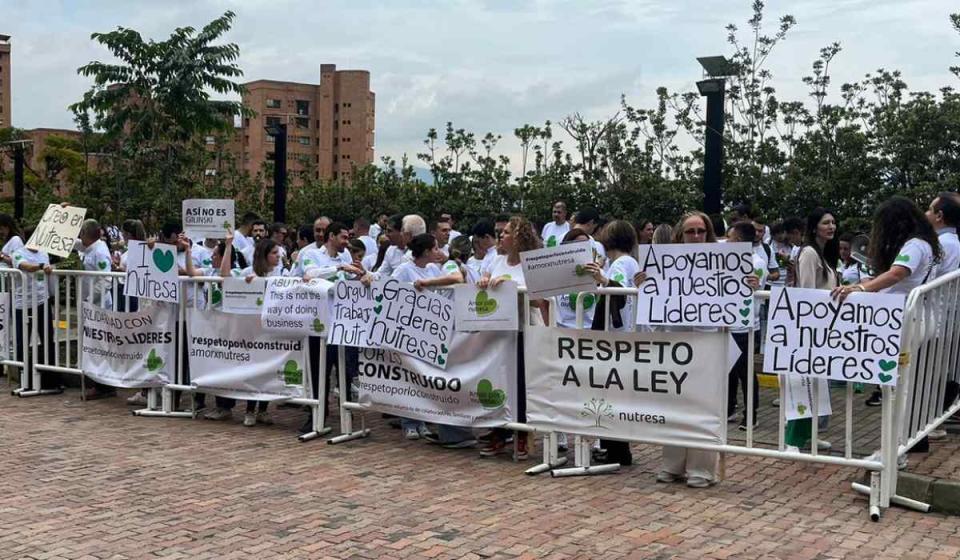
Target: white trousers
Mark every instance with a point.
(681, 461)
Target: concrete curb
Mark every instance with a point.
(942, 494)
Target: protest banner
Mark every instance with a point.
(152, 273)
(294, 306)
(5, 319)
(799, 397)
(393, 315)
(207, 218)
(477, 389)
(696, 284)
(58, 230)
(129, 350)
(811, 334)
(241, 297)
(486, 310)
(232, 356)
(635, 386)
(558, 270)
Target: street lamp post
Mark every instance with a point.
(713, 88)
(279, 133)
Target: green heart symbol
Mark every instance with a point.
(292, 374)
(488, 396)
(618, 277)
(377, 309)
(485, 304)
(887, 365)
(745, 322)
(207, 262)
(163, 259)
(217, 297)
(440, 360)
(744, 312)
(259, 301)
(885, 378)
(748, 301)
(102, 265)
(588, 301)
(802, 409)
(379, 298)
(552, 241)
(153, 362)
(902, 258)
(580, 270)
(318, 325)
(443, 348)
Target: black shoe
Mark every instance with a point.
(394, 423)
(432, 438)
(743, 425)
(875, 399)
(307, 426)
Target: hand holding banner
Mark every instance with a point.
(486, 310)
(293, 305)
(242, 297)
(207, 218)
(152, 273)
(58, 229)
(558, 270)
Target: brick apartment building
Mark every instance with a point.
(330, 126)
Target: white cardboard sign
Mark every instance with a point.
(129, 350)
(58, 229)
(152, 273)
(241, 297)
(696, 284)
(393, 315)
(486, 310)
(558, 270)
(811, 334)
(292, 305)
(207, 218)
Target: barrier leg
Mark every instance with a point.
(551, 458)
(318, 408)
(874, 492)
(582, 462)
(346, 415)
(166, 407)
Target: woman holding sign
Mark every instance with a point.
(816, 269)
(517, 236)
(10, 237)
(33, 290)
(904, 253)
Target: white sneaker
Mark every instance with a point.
(666, 477)
(264, 418)
(824, 445)
(792, 449)
(137, 399)
(732, 418)
(699, 482)
(935, 434)
(250, 419)
(411, 434)
(218, 414)
(775, 403)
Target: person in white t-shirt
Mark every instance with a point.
(9, 238)
(904, 254)
(34, 291)
(448, 217)
(518, 236)
(441, 231)
(361, 231)
(400, 230)
(850, 270)
(566, 303)
(379, 228)
(484, 245)
(553, 232)
(944, 215)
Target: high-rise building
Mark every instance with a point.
(330, 126)
(6, 104)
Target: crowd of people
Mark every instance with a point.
(907, 247)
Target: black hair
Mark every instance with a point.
(170, 229)
(745, 231)
(946, 202)
(7, 221)
(237, 260)
(249, 218)
(305, 232)
(484, 228)
(277, 226)
(896, 221)
(718, 228)
(792, 224)
(263, 248)
(502, 218)
(334, 229)
(830, 254)
(422, 243)
(395, 222)
(587, 215)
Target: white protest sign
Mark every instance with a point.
(811, 334)
(207, 218)
(242, 297)
(232, 356)
(635, 386)
(486, 310)
(58, 230)
(799, 403)
(152, 273)
(558, 270)
(292, 305)
(393, 315)
(696, 284)
(5, 319)
(129, 349)
(477, 389)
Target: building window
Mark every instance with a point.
(336, 108)
(336, 142)
(271, 138)
(303, 107)
(271, 156)
(210, 172)
(304, 140)
(303, 122)
(273, 103)
(209, 140)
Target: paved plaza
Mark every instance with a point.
(89, 480)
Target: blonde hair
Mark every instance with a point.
(524, 238)
(678, 229)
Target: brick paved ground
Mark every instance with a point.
(88, 480)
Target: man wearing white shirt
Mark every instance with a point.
(380, 227)
(241, 237)
(361, 230)
(441, 232)
(944, 216)
(448, 217)
(553, 232)
(399, 235)
(484, 247)
(587, 220)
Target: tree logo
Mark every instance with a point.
(318, 326)
(598, 410)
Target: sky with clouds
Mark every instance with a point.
(486, 65)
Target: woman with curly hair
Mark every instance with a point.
(904, 254)
(518, 236)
